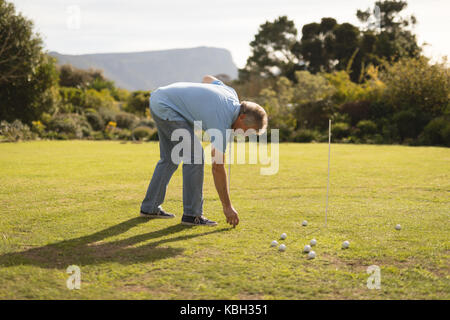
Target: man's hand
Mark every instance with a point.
(220, 181)
(231, 215)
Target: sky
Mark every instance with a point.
(101, 26)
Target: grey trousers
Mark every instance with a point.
(165, 168)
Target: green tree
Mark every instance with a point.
(28, 76)
(331, 46)
(275, 50)
(386, 16)
(418, 85)
(138, 102)
(417, 91)
(312, 97)
(277, 101)
(388, 34)
(346, 49)
(348, 91)
(121, 94)
(311, 87)
(79, 100)
(69, 76)
(316, 45)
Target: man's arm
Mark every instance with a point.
(209, 79)
(220, 181)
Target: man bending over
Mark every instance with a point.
(177, 106)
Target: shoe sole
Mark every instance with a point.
(196, 224)
(148, 216)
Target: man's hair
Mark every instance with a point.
(254, 116)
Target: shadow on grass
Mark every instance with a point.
(90, 250)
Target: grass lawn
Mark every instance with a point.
(76, 203)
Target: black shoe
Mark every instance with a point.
(197, 221)
(161, 214)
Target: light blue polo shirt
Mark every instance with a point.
(215, 104)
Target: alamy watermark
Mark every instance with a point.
(374, 280)
(377, 14)
(74, 280)
(73, 21)
(191, 152)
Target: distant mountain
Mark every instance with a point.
(152, 69)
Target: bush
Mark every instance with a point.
(46, 118)
(95, 120)
(378, 139)
(90, 110)
(366, 127)
(379, 110)
(389, 131)
(351, 139)
(126, 120)
(277, 101)
(146, 123)
(303, 135)
(100, 83)
(348, 91)
(409, 123)
(74, 97)
(142, 133)
(123, 134)
(415, 84)
(38, 127)
(64, 124)
(86, 132)
(67, 108)
(436, 132)
(71, 125)
(314, 115)
(69, 76)
(311, 87)
(98, 135)
(154, 136)
(51, 135)
(138, 102)
(62, 136)
(340, 130)
(107, 115)
(120, 94)
(15, 131)
(98, 99)
(356, 110)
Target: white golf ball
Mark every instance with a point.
(304, 223)
(313, 242)
(282, 247)
(398, 227)
(274, 243)
(311, 255)
(283, 236)
(345, 244)
(307, 248)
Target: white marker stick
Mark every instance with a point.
(328, 179)
(229, 164)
